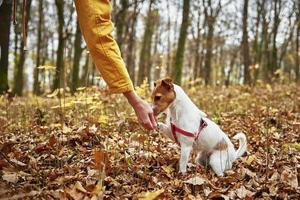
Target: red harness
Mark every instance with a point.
(175, 129)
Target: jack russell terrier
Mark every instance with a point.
(189, 127)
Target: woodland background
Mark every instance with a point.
(62, 136)
(202, 42)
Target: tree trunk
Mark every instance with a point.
(84, 76)
(210, 20)
(297, 40)
(198, 54)
(208, 55)
(179, 58)
(59, 74)
(231, 66)
(274, 60)
(19, 70)
(36, 83)
(76, 60)
(256, 47)
(131, 44)
(265, 44)
(5, 21)
(144, 63)
(245, 44)
(121, 23)
(169, 47)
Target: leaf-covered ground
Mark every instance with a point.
(90, 147)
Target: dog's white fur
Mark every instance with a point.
(185, 114)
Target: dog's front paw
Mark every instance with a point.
(161, 127)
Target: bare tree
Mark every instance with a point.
(19, 67)
(211, 15)
(177, 68)
(76, 60)
(297, 40)
(36, 84)
(144, 65)
(245, 44)
(130, 56)
(5, 16)
(59, 75)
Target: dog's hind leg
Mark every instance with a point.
(202, 158)
(219, 162)
(184, 157)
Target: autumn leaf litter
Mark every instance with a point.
(91, 147)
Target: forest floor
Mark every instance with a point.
(91, 146)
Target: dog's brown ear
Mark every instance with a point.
(167, 83)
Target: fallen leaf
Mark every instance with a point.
(98, 189)
(99, 157)
(242, 192)
(67, 129)
(74, 194)
(52, 176)
(196, 181)
(3, 122)
(168, 169)
(289, 177)
(17, 162)
(3, 163)
(250, 159)
(42, 148)
(217, 195)
(150, 195)
(79, 187)
(52, 141)
(10, 177)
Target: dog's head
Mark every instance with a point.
(162, 95)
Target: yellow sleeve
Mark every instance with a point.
(96, 26)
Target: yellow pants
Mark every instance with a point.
(96, 26)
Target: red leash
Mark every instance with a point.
(175, 129)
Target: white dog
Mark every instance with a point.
(189, 127)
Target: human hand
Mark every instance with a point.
(143, 110)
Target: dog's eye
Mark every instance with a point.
(154, 84)
(157, 98)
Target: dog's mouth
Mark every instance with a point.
(156, 111)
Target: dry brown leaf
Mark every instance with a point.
(99, 157)
(289, 177)
(150, 195)
(74, 194)
(42, 148)
(242, 192)
(217, 195)
(196, 181)
(11, 177)
(52, 141)
(98, 189)
(79, 187)
(3, 163)
(17, 162)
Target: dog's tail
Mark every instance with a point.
(242, 144)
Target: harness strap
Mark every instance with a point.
(175, 129)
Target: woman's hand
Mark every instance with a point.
(142, 109)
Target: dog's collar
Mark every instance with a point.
(175, 129)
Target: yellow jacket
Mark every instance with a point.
(96, 27)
